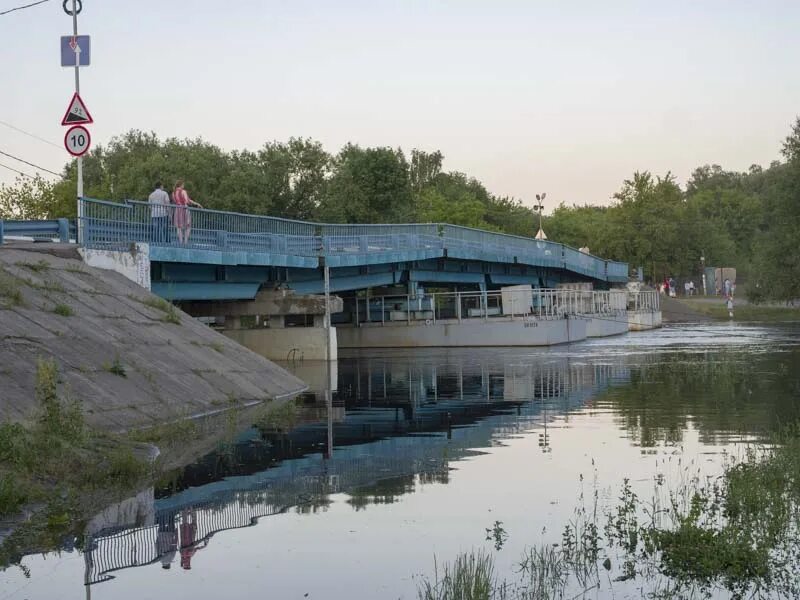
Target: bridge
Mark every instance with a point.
(259, 277)
(229, 256)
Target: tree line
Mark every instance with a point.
(748, 220)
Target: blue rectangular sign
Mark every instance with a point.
(68, 54)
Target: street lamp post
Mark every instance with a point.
(539, 207)
(703, 271)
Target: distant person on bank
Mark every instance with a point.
(159, 213)
(182, 218)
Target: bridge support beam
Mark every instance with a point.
(278, 324)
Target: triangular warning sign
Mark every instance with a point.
(77, 113)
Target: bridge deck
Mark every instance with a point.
(222, 238)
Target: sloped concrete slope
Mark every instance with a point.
(129, 358)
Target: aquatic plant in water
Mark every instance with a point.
(737, 534)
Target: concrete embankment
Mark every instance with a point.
(675, 311)
(132, 359)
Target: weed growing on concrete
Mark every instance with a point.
(58, 447)
(116, 367)
(177, 432)
(172, 316)
(60, 418)
(63, 309)
(9, 290)
(278, 416)
(39, 266)
(155, 302)
(218, 346)
(48, 285)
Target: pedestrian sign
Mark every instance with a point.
(76, 50)
(77, 113)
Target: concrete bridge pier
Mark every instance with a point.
(277, 324)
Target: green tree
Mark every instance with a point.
(368, 185)
(791, 145)
(34, 198)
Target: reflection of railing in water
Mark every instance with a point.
(458, 420)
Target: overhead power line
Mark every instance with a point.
(5, 12)
(30, 164)
(28, 133)
(17, 171)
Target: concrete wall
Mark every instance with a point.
(277, 343)
(133, 264)
(266, 302)
(491, 332)
(606, 325)
(641, 320)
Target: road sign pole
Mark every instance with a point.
(78, 91)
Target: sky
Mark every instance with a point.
(568, 98)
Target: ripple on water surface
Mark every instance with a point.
(420, 453)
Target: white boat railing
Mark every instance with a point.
(513, 303)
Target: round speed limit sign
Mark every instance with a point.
(77, 140)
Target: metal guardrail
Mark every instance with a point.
(617, 270)
(47, 230)
(539, 303)
(116, 225)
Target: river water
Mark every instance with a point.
(419, 454)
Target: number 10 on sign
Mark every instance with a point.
(77, 140)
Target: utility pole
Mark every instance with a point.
(78, 91)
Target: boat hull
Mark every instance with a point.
(468, 332)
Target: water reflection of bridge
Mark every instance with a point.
(406, 420)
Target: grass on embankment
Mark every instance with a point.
(743, 312)
(54, 462)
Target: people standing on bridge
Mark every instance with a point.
(188, 533)
(181, 215)
(166, 539)
(159, 211)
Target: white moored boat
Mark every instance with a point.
(513, 316)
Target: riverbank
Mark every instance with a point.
(131, 358)
(743, 310)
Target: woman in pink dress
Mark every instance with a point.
(181, 216)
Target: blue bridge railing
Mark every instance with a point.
(60, 229)
(115, 225)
